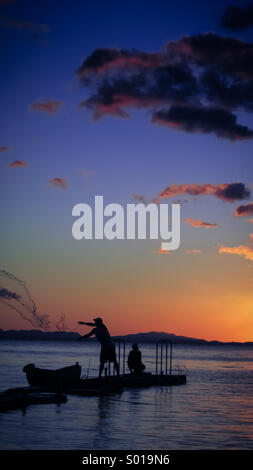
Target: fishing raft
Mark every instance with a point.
(68, 379)
(52, 386)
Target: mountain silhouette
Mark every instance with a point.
(145, 337)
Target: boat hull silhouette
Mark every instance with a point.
(45, 377)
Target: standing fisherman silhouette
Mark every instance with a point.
(102, 334)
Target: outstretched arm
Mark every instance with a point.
(86, 336)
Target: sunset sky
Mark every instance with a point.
(135, 101)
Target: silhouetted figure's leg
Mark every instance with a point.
(116, 365)
(101, 368)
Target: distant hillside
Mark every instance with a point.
(150, 337)
(154, 336)
(38, 335)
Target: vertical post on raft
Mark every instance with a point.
(166, 358)
(161, 359)
(170, 357)
(156, 359)
(119, 353)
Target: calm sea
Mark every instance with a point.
(214, 410)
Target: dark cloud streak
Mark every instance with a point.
(49, 106)
(229, 192)
(235, 18)
(18, 164)
(244, 210)
(203, 119)
(61, 183)
(23, 25)
(207, 76)
(7, 294)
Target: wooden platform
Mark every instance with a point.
(136, 381)
(150, 380)
(115, 384)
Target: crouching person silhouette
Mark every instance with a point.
(102, 334)
(134, 360)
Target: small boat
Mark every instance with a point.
(68, 380)
(46, 377)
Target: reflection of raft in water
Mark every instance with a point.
(20, 398)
